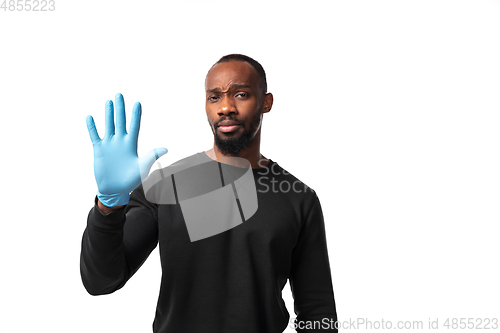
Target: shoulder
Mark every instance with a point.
(158, 186)
(287, 182)
(278, 181)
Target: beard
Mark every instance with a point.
(233, 143)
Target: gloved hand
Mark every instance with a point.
(117, 168)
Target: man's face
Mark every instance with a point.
(233, 96)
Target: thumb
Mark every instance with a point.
(158, 152)
(147, 161)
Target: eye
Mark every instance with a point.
(212, 98)
(242, 94)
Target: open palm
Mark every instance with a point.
(117, 168)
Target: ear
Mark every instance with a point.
(268, 103)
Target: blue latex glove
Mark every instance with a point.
(117, 168)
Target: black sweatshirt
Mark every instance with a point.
(229, 282)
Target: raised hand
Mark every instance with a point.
(117, 168)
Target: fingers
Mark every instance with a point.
(120, 114)
(135, 122)
(109, 119)
(92, 130)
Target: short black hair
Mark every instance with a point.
(258, 67)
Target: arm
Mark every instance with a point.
(310, 276)
(121, 228)
(116, 244)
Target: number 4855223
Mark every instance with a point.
(28, 5)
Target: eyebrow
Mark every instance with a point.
(233, 86)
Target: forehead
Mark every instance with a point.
(232, 72)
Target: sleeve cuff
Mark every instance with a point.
(112, 220)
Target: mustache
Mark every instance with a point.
(224, 119)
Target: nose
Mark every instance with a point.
(227, 106)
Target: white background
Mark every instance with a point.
(388, 109)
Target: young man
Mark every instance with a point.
(230, 233)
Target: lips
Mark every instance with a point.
(227, 126)
(230, 128)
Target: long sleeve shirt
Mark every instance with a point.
(228, 282)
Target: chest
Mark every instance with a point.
(274, 226)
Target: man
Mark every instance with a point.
(229, 279)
